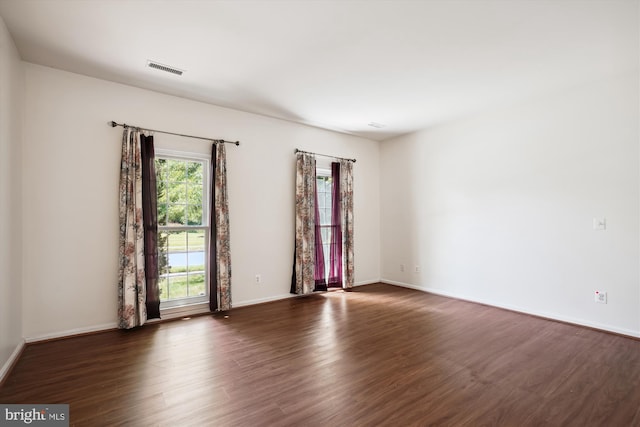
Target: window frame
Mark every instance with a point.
(326, 245)
(205, 159)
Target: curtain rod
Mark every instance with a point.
(324, 155)
(124, 125)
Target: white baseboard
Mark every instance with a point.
(285, 296)
(169, 313)
(262, 300)
(404, 285)
(546, 315)
(366, 282)
(12, 360)
(71, 332)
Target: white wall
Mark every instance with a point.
(498, 208)
(11, 104)
(71, 167)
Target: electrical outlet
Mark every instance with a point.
(402, 268)
(417, 270)
(258, 279)
(600, 297)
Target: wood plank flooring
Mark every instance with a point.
(378, 356)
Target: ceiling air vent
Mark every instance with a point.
(166, 68)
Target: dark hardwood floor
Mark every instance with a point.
(380, 355)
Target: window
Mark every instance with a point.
(183, 231)
(324, 190)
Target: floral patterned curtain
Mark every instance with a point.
(346, 197)
(131, 287)
(220, 252)
(303, 280)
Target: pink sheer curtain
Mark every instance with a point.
(335, 253)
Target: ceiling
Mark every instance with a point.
(339, 65)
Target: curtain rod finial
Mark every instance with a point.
(112, 124)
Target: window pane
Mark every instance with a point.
(176, 170)
(161, 187)
(177, 192)
(161, 169)
(196, 240)
(163, 285)
(169, 290)
(194, 215)
(176, 215)
(194, 194)
(197, 285)
(162, 214)
(177, 286)
(195, 260)
(177, 241)
(196, 268)
(194, 172)
(163, 253)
